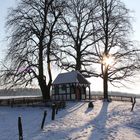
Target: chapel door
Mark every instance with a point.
(78, 93)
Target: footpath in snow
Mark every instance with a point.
(106, 121)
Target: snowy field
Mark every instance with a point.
(106, 121)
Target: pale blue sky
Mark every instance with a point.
(4, 5)
(133, 5)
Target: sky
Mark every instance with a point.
(96, 83)
(4, 6)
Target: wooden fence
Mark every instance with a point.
(113, 97)
(32, 101)
(21, 101)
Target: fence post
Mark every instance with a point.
(43, 120)
(57, 107)
(53, 111)
(20, 128)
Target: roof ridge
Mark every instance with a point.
(70, 77)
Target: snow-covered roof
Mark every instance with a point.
(70, 77)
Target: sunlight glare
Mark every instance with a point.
(108, 60)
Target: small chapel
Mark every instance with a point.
(71, 86)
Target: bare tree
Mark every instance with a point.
(96, 40)
(33, 27)
(115, 52)
(78, 32)
(93, 35)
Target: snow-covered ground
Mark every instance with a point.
(106, 121)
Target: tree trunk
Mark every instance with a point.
(78, 59)
(105, 83)
(105, 72)
(45, 89)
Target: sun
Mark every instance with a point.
(107, 60)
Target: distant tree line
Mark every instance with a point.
(20, 92)
(90, 36)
